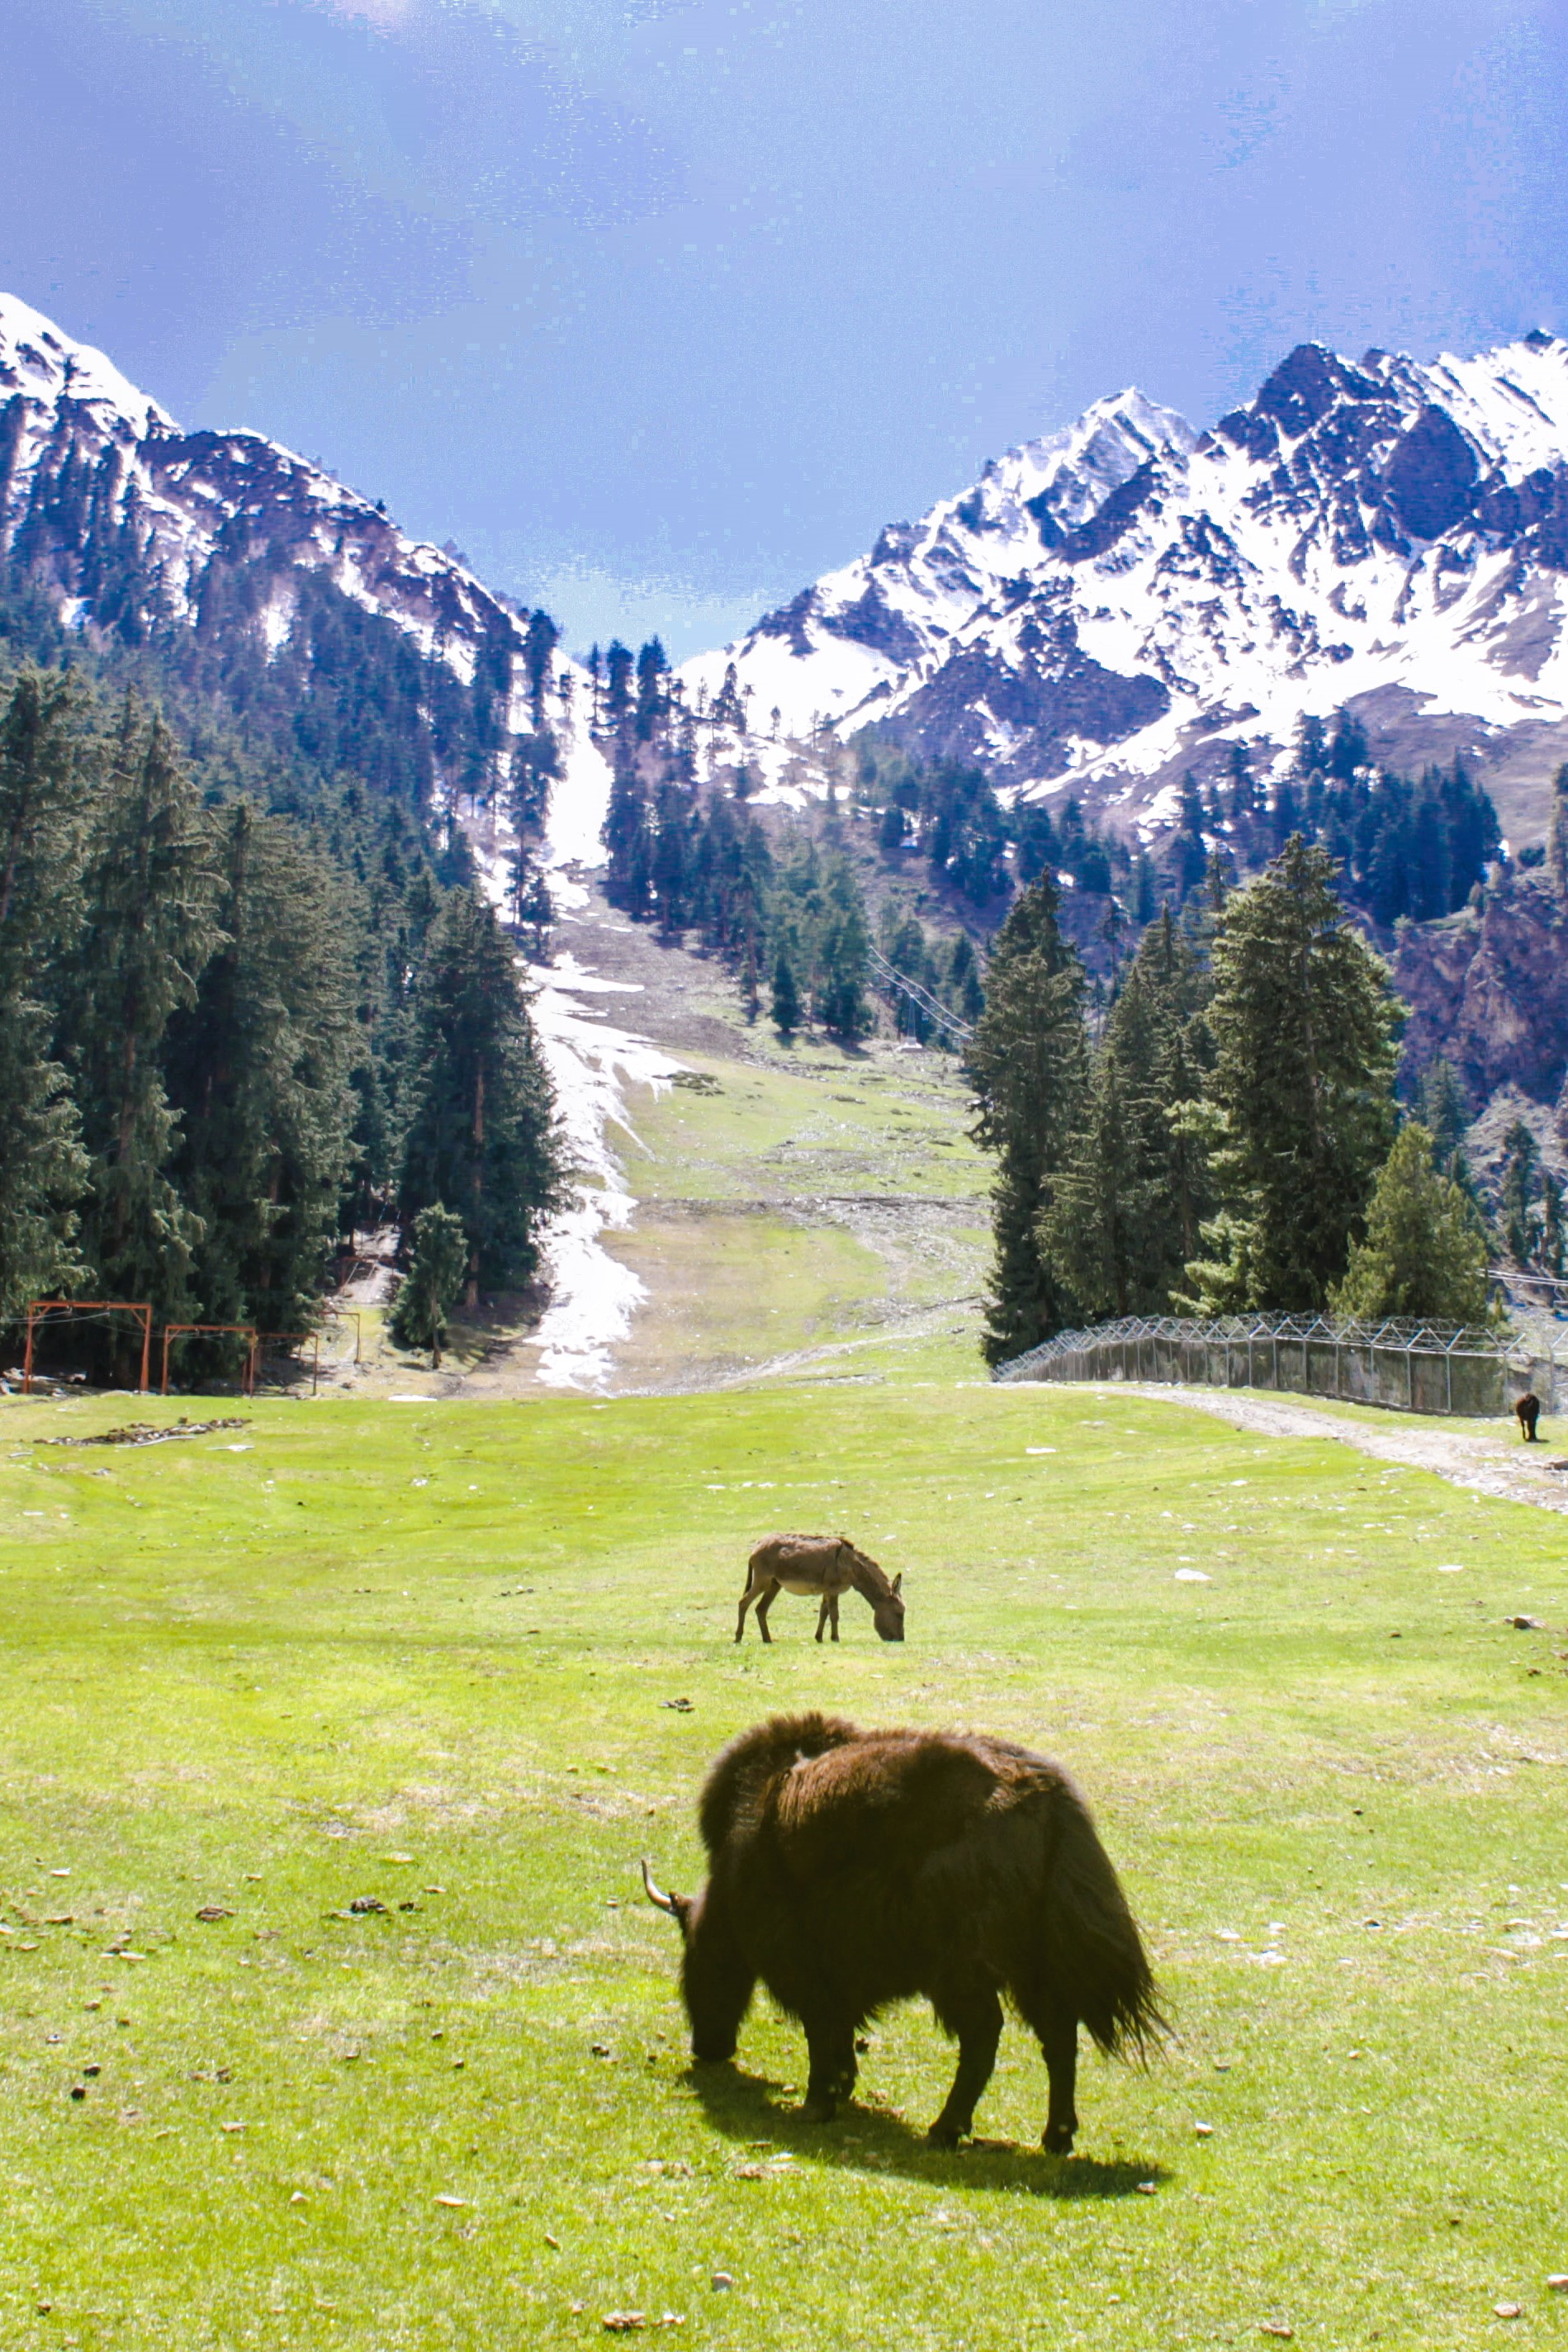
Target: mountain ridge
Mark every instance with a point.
(1383, 535)
(131, 521)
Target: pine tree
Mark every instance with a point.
(1026, 1063)
(1553, 1235)
(785, 1009)
(1301, 1096)
(479, 1137)
(1442, 1108)
(541, 640)
(147, 931)
(45, 766)
(1516, 1191)
(437, 1262)
(257, 1073)
(1128, 1204)
(1425, 1251)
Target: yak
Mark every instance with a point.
(851, 1869)
(1527, 1408)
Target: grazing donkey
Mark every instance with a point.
(848, 1870)
(824, 1565)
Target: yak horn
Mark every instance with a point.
(664, 1902)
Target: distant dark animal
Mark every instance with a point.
(827, 1565)
(850, 1869)
(1527, 1408)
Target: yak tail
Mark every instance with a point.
(1097, 1963)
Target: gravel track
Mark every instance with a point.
(1488, 1466)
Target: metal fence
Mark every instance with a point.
(1413, 1367)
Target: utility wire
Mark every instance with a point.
(918, 996)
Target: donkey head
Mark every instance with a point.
(887, 1613)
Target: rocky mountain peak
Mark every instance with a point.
(108, 504)
(1127, 599)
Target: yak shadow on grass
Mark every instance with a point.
(746, 2108)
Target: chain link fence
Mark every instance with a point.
(1413, 1367)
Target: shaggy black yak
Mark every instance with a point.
(1527, 1408)
(850, 1869)
(828, 1565)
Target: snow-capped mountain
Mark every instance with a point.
(1127, 599)
(105, 502)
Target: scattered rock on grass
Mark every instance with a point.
(1509, 2310)
(210, 1911)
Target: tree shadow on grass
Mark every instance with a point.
(746, 2108)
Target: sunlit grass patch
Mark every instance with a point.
(461, 1667)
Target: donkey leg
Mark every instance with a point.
(833, 1605)
(763, 1606)
(831, 2043)
(822, 1614)
(976, 2018)
(1059, 2047)
(745, 1600)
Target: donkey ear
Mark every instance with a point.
(898, 1581)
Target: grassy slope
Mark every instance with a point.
(811, 1199)
(251, 1678)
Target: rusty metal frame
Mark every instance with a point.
(38, 1309)
(182, 1330)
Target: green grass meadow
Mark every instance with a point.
(431, 1656)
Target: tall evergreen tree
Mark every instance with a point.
(1301, 1096)
(257, 1073)
(1026, 1062)
(479, 1137)
(46, 763)
(1517, 1191)
(785, 1010)
(1442, 1108)
(1425, 1251)
(438, 1260)
(1125, 1213)
(148, 928)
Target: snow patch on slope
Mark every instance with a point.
(591, 1061)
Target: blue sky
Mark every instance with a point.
(660, 307)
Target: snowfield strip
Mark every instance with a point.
(591, 1061)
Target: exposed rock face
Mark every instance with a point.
(1129, 598)
(1491, 991)
(104, 496)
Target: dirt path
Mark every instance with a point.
(1491, 1465)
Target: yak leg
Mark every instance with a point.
(832, 2045)
(747, 1599)
(977, 2021)
(1059, 2047)
(823, 1614)
(763, 1606)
